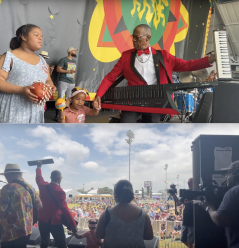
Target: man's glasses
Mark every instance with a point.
(135, 37)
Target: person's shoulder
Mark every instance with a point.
(56, 188)
(5, 188)
(163, 52)
(62, 59)
(128, 52)
(66, 110)
(234, 190)
(2, 57)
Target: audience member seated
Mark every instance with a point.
(176, 230)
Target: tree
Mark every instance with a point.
(105, 190)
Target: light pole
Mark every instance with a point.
(178, 179)
(166, 168)
(130, 139)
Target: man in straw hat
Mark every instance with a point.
(54, 209)
(66, 68)
(18, 198)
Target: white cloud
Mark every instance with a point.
(152, 148)
(60, 143)
(28, 143)
(16, 156)
(90, 165)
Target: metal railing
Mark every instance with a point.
(156, 224)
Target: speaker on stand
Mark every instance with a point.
(35, 238)
(81, 243)
(225, 103)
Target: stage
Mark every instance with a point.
(103, 116)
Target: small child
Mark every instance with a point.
(76, 112)
(92, 241)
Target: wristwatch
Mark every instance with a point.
(207, 208)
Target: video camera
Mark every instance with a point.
(172, 190)
(213, 194)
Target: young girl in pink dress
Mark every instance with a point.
(76, 112)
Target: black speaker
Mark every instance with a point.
(77, 243)
(211, 153)
(154, 243)
(204, 110)
(225, 103)
(35, 238)
(81, 243)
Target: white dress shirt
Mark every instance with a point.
(144, 64)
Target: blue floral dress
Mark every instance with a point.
(16, 108)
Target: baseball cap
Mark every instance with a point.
(233, 166)
(71, 49)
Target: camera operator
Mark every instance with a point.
(187, 236)
(227, 214)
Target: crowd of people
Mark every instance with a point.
(157, 210)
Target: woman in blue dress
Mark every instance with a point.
(19, 69)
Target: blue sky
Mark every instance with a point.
(97, 155)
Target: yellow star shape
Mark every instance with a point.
(52, 16)
(0, 1)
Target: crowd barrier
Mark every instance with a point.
(156, 224)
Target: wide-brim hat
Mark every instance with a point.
(44, 54)
(9, 168)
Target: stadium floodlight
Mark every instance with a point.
(131, 137)
(166, 169)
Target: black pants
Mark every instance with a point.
(132, 117)
(57, 232)
(17, 243)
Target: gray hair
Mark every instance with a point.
(146, 28)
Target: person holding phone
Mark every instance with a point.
(66, 68)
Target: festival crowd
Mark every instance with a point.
(157, 210)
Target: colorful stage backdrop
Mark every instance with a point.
(101, 29)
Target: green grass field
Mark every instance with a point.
(71, 205)
(171, 244)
